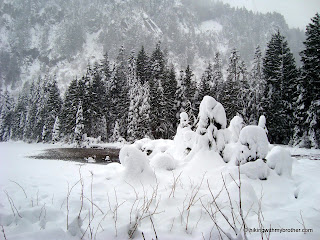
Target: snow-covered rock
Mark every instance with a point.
(280, 160)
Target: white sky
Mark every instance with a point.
(296, 12)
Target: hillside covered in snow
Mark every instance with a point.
(40, 37)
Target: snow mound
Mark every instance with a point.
(256, 170)
(256, 141)
(136, 163)
(280, 160)
(163, 161)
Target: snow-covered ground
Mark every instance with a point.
(119, 200)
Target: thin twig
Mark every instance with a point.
(12, 204)
(4, 234)
(20, 187)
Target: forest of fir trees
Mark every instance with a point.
(141, 95)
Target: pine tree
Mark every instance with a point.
(281, 78)
(56, 130)
(307, 114)
(79, 129)
(232, 86)
(119, 91)
(217, 77)
(52, 107)
(135, 97)
(157, 106)
(144, 120)
(69, 110)
(6, 116)
(20, 114)
(143, 69)
(98, 104)
(256, 86)
(169, 91)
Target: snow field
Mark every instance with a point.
(216, 182)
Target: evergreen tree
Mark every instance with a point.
(232, 86)
(144, 120)
(20, 114)
(157, 106)
(244, 97)
(256, 86)
(69, 110)
(307, 131)
(6, 116)
(217, 77)
(79, 128)
(119, 91)
(98, 105)
(135, 97)
(52, 107)
(169, 91)
(281, 78)
(56, 130)
(143, 69)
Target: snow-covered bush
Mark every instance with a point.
(184, 138)
(280, 160)
(256, 141)
(211, 126)
(236, 124)
(256, 170)
(262, 123)
(136, 164)
(163, 161)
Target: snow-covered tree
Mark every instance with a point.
(232, 85)
(143, 69)
(135, 98)
(69, 109)
(256, 85)
(79, 129)
(307, 130)
(119, 91)
(280, 74)
(6, 116)
(56, 130)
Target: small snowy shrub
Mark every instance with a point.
(184, 120)
(135, 162)
(280, 160)
(262, 123)
(256, 170)
(184, 138)
(236, 124)
(163, 161)
(212, 122)
(255, 139)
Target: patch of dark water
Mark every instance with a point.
(101, 156)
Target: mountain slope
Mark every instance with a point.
(61, 37)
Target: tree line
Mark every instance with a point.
(141, 95)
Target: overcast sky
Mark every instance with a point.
(296, 12)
